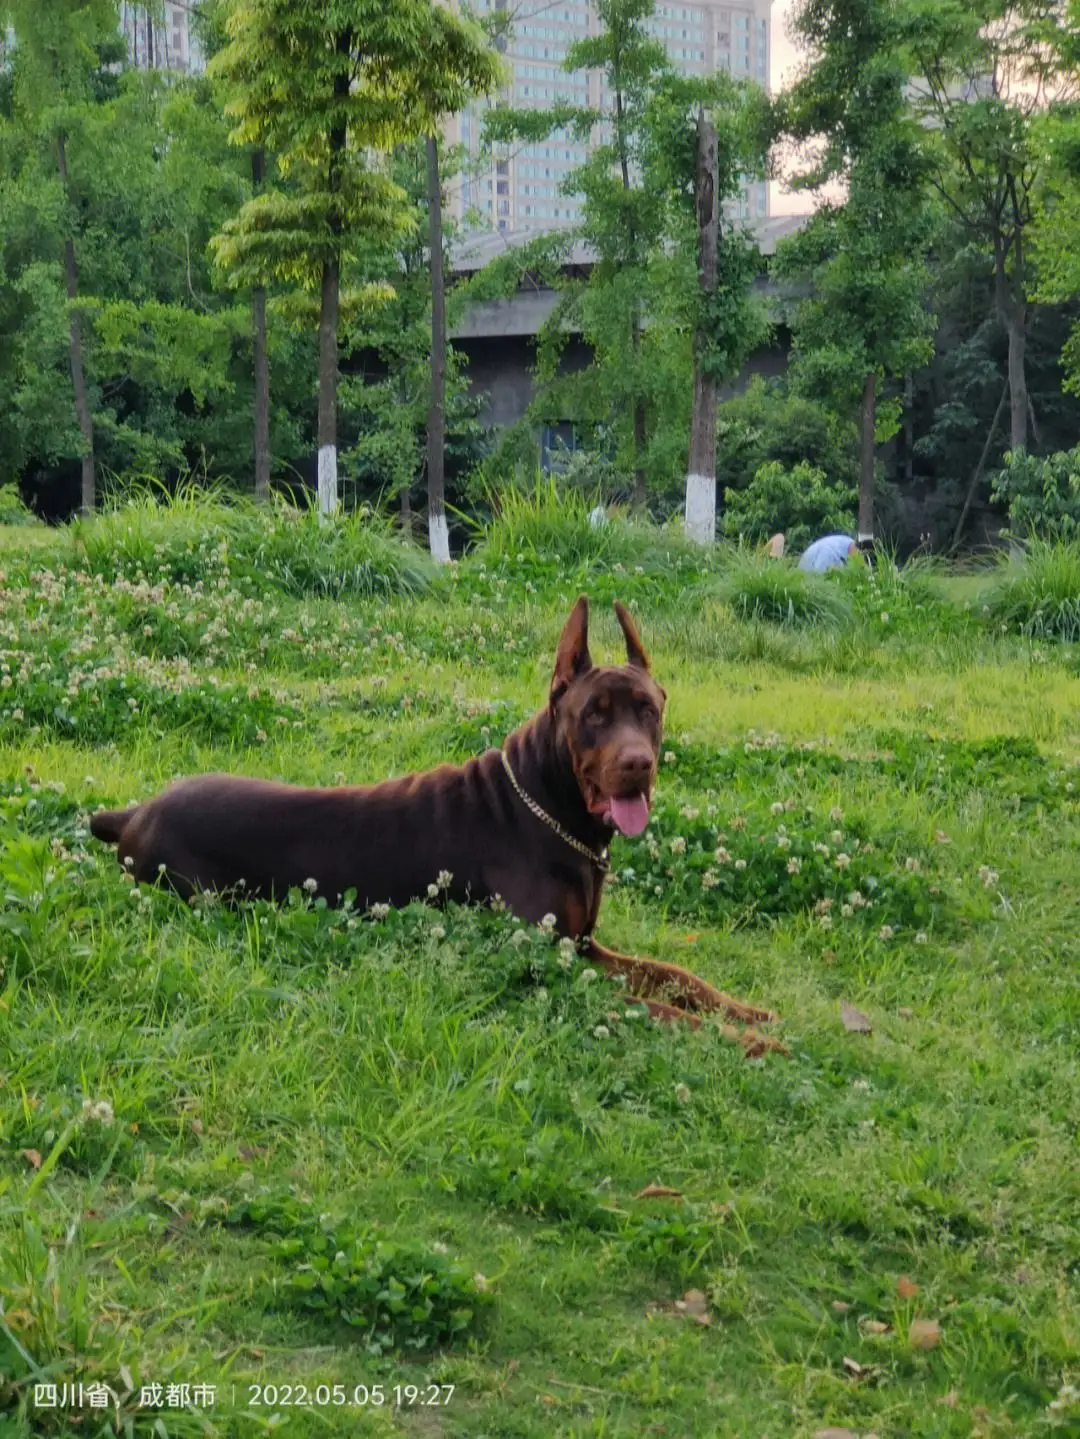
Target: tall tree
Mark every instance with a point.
(983, 71)
(865, 321)
(702, 139)
(326, 87)
(622, 214)
(438, 535)
(642, 303)
(58, 53)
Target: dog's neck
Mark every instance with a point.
(545, 770)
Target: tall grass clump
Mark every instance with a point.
(548, 527)
(549, 522)
(1040, 596)
(776, 592)
(206, 534)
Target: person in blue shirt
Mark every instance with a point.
(831, 552)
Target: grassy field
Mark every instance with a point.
(274, 1149)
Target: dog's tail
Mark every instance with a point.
(109, 824)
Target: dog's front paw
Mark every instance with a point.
(755, 1045)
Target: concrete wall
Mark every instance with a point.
(500, 368)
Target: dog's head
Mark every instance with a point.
(610, 720)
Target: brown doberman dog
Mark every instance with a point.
(530, 824)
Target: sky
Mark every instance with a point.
(785, 60)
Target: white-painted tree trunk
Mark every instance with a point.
(439, 537)
(328, 490)
(701, 509)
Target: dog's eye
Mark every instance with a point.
(596, 711)
(647, 709)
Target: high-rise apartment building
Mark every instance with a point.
(521, 190)
(164, 37)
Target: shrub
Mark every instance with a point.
(757, 588)
(13, 508)
(800, 501)
(1042, 495)
(1040, 597)
(766, 423)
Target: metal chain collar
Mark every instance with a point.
(600, 860)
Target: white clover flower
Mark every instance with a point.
(836, 814)
(602, 1032)
(740, 864)
(99, 1111)
(846, 910)
(311, 885)
(911, 864)
(709, 880)
(842, 861)
(588, 975)
(669, 757)
(794, 866)
(825, 921)
(678, 845)
(433, 891)
(988, 876)
(722, 856)
(922, 937)
(437, 932)
(682, 1093)
(783, 842)
(886, 932)
(444, 879)
(547, 924)
(379, 911)
(776, 808)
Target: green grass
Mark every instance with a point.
(1039, 598)
(292, 1146)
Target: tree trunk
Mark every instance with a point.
(438, 534)
(331, 296)
(405, 509)
(868, 450)
(640, 497)
(328, 374)
(88, 495)
(977, 476)
(909, 428)
(262, 365)
(1012, 311)
(701, 473)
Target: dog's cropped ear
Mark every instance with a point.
(635, 650)
(572, 657)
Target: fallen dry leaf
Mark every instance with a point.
(942, 837)
(924, 1333)
(695, 1306)
(32, 1157)
(196, 1126)
(692, 938)
(950, 1400)
(841, 1306)
(905, 1012)
(855, 1022)
(832, 1433)
(853, 1366)
(874, 1326)
(247, 1152)
(658, 1191)
(906, 1288)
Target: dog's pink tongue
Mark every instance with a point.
(631, 815)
